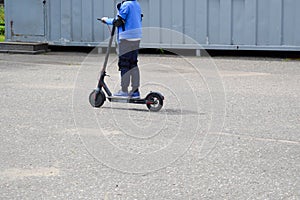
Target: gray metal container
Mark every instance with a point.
(215, 24)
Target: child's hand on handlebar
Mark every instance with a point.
(104, 19)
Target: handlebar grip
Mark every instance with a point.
(101, 20)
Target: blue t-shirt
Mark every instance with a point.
(130, 12)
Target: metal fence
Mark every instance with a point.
(215, 24)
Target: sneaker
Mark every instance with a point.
(121, 94)
(135, 95)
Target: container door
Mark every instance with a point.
(27, 20)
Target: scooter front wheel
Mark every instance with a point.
(154, 102)
(97, 99)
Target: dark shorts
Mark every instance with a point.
(128, 54)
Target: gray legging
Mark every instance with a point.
(134, 74)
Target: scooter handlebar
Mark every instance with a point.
(113, 29)
(101, 20)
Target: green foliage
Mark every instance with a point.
(160, 51)
(2, 30)
(2, 15)
(2, 23)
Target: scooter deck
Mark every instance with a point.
(126, 100)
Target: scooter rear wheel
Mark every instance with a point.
(154, 102)
(98, 101)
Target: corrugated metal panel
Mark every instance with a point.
(73, 22)
(215, 24)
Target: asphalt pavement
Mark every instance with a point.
(229, 129)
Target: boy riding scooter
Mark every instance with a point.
(129, 25)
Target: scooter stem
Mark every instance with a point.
(108, 49)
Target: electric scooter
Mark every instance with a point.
(153, 101)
